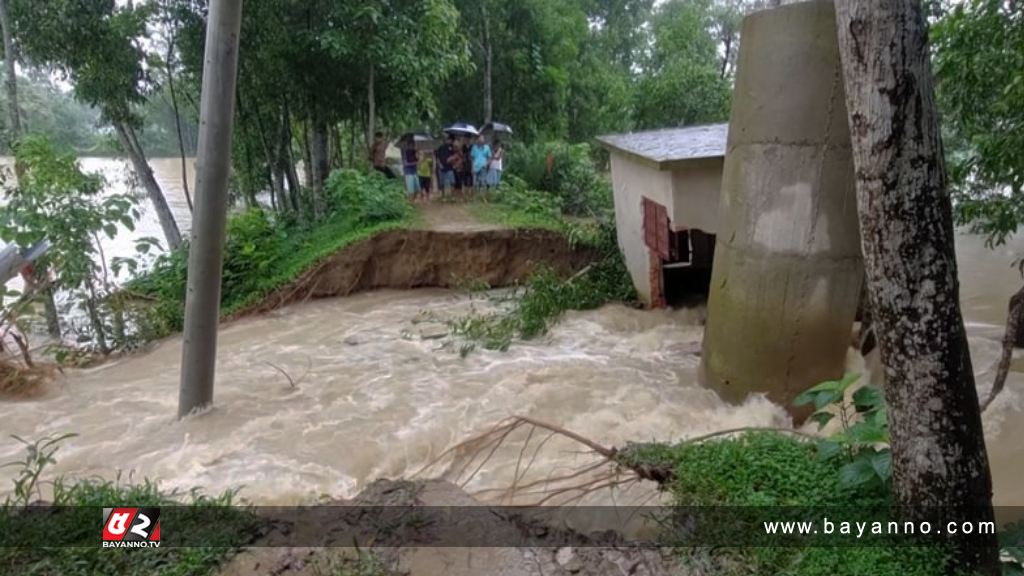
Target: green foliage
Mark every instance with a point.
(38, 456)
(51, 112)
(56, 201)
(686, 84)
(580, 189)
(768, 469)
(531, 310)
(517, 206)
(262, 253)
(93, 45)
(862, 445)
(367, 198)
(979, 67)
(215, 522)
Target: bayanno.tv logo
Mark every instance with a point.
(131, 527)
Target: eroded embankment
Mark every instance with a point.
(405, 259)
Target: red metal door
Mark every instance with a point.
(656, 227)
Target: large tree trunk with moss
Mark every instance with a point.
(939, 457)
(126, 135)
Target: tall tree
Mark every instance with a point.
(10, 59)
(683, 83)
(96, 46)
(939, 457)
(14, 134)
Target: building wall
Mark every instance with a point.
(697, 195)
(631, 181)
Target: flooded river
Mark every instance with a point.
(372, 399)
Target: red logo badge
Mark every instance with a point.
(131, 528)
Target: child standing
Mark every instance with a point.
(425, 170)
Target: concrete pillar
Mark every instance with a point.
(787, 270)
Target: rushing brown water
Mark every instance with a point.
(372, 399)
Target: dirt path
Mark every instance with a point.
(452, 218)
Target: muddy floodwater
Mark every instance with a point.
(366, 396)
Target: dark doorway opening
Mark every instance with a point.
(686, 277)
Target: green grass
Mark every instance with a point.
(766, 469)
(304, 250)
(215, 525)
(514, 217)
(535, 306)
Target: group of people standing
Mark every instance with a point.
(460, 167)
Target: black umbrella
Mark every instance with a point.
(462, 128)
(497, 128)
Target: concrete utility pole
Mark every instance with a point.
(205, 261)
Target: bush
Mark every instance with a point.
(546, 296)
(517, 195)
(249, 253)
(572, 176)
(368, 198)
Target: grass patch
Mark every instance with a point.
(63, 539)
(767, 469)
(264, 252)
(531, 309)
(214, 522)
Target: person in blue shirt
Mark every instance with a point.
(481, 155)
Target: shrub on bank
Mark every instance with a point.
(564, 170)
(367, 198)
(263, 252)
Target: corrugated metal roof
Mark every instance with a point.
(672, 145)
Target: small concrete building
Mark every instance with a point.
(667, 197)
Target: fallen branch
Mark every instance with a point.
(292, 382)
(613, 467)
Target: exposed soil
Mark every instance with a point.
(551, 550)
(451, 256)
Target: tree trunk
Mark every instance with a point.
(307, 156)
(488, 68)
(319, 164)
(10, 57)
(352, 149)
(939, 457)
(14, 133)
(51, 314)
(177, 124)
(287, 161)
(144, 173)
(371, 99)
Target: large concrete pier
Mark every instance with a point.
(787, 268)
